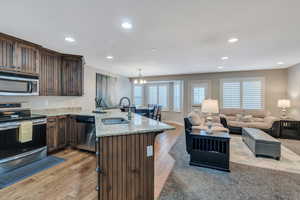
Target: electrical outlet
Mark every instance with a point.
(149, 151)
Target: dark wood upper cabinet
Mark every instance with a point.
(72, 76)
(7, 52)
(27, 59)
(60, 74)
(50, 74)
(18, 55)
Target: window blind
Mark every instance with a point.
(138, 95)
(152, 94)
(177, 97)
(253, 95)
(198, 95)
(245, 94)
(231, 94)
(163, 96)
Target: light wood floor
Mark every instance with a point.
(76, 177)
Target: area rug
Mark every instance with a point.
(289, 162)
(244, 182)
(21, 173)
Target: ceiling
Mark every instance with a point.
(168, 36)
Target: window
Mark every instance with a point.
(163, 95)
(231, 94)
(138, 95)
(253, 94)
(159, 94)
(246, 94)
(199, 93)
(152, 94)
(177, 96)
(168, 94)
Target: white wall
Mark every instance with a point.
(86, 101)
(294, 90)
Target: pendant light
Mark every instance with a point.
(140, 80)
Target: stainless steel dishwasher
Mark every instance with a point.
(87, 134)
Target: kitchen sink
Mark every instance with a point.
(114, 120)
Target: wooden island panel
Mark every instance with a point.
(126, 173)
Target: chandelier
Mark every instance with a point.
(140, 80)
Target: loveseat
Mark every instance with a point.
(236, 119)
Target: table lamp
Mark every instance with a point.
(210, 106)
(284, 104)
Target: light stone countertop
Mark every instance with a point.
(63, 111)
(137, 125)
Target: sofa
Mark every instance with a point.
(236, 119)
(198, 121)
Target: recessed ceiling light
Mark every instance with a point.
(109, 57)
(225, 58)
(153, 50)
(280, 63)
(220, 67)
(233, 40)
(69, 39)
(126, 25)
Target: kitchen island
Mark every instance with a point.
(125, 156)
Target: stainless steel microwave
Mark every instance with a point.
(12, 84)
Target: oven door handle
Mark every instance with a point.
(22, 155)
(15, 126)
(4, 128)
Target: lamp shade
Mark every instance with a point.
(284, 103)
(210, 106)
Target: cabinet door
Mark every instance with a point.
(51, 134)
(72, 132)
(72, 76)
(50, 72)
(62, 132)
(27, 59)
(7, 52)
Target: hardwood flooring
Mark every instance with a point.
(75, 179)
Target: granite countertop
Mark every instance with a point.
(63, 111)
(137, 125)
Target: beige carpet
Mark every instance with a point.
(240, 153)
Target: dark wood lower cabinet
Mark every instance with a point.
(51, 133)
(124, 169)
(57, 133)
(62, 132)
(72, 131)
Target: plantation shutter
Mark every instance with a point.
(231, 94)
(253, 97)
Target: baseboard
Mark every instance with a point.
(173, 122)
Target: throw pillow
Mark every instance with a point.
(195, 119)
(247, 118)
(239, 117)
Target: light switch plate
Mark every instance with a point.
(149, 151)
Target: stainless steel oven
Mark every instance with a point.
(12, 84)
(14, 154)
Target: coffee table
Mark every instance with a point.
(261, 143)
